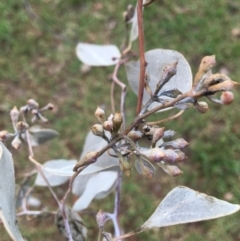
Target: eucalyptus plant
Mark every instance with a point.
(162, 80)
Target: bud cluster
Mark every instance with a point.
(20, 127)
(33, 107)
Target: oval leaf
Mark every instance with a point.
(7, 194)
(184, 205)
(39, 135)
(106, 165)
(98, 186)
(157, 59)
(98, 55)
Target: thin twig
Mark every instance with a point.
(165, 120)
(143, 62)
(124, 91)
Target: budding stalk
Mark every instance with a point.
(88, 159)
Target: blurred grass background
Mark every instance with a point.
(38, 60)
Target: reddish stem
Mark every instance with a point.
(143, 62)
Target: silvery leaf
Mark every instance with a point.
(98, 55)
(7, 194)
(157, 59)
(184, 205)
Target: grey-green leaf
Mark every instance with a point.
(7, 194)
(184, 205)
(157, 59)
(39, 135)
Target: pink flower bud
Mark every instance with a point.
(227, 97)
(154, 155)
(135, 135)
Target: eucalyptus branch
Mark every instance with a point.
(139, 118)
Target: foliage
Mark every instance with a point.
(182, 106)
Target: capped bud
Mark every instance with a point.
(22, 126)
(227, 97)
(177, 143)
(125, 165)
(154, 155)
(49, 106)
(170, 169)
(14, 114)
(101, 218)
(181, 155)
(32, 104)
(4, 135)
(157, 134)
(201, 107)
(117, 121)
(100, 114)
(89, 158)
(223, 86)
(16, 143)
(173, 156)
(97, 130)
(215, 79)
(108, 125)
(135, 135)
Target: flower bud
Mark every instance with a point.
(22, 126)
(170, 169)
(16, 143)
(100, 114)
(227, 97)
(97, 130)
(201, 107)
(108, 125)
(89, 158)
(135, 135)
(117, 121)
(154, 155)
(32, 104)
(101, 218)
(14, 114)
(178, 143)
(181, 155)
(157, 134)
(49, 106)
(4, 135)
(173, 156)
(125, 165)
(223, 86)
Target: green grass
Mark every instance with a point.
(38, 60)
